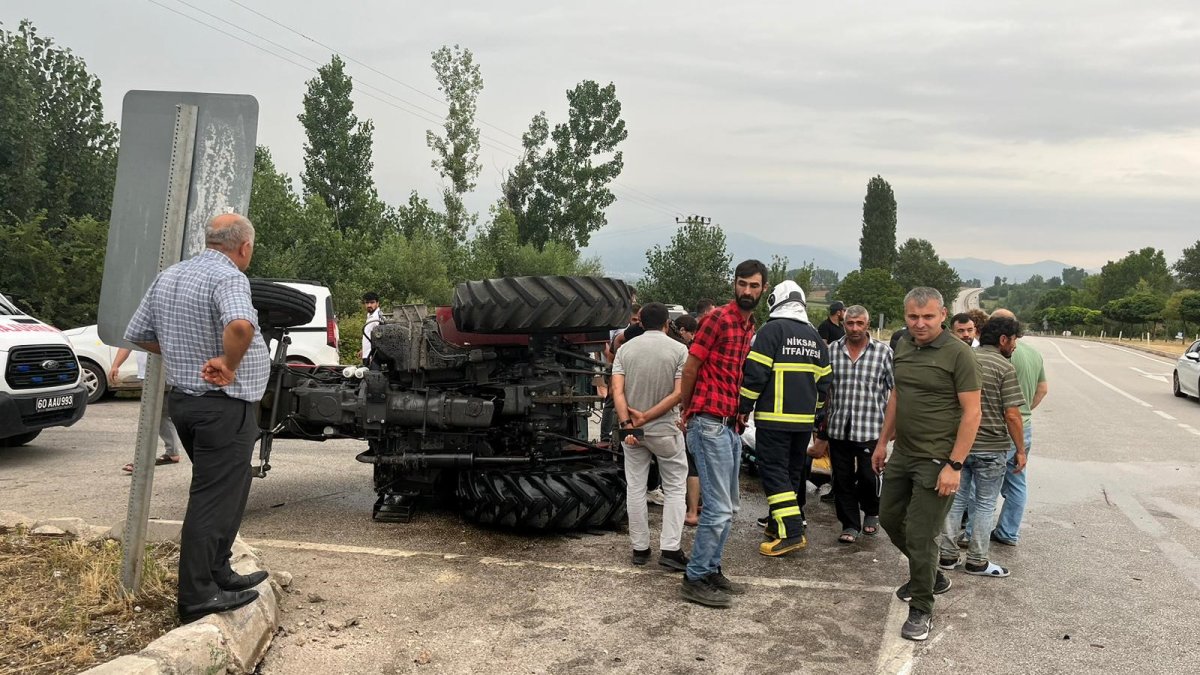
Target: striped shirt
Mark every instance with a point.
(185, 311)
(859, 394)
(1001, 391)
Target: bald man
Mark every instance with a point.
(199, 316)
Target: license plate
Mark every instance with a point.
(55, 402)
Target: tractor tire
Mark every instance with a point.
(574, 496)
(523, 305)
(281, 306)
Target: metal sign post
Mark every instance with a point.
(171, 244)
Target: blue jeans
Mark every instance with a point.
(1009, 525)
(978, 491)
(717, 450)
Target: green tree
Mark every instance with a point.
(418, 219)
(917, 264)
(457, 161)
(559, 193)
(694, 265)
(1139, 308)
(876, 290)
(1183, 306)
(337, 154)
(1117, 279)
(57, 153)
(1187, 268)
(777, 273)
(823, 278)
(57, 280)
(1189, 309)
(1074, 276)
(877, 247)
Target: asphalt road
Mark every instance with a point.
(967, 300)
(1106, 577)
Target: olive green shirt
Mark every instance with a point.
(1000, 392)
(1030, 373)
(928, 382)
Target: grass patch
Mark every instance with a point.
(62, 608)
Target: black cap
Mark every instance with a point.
(837, 306)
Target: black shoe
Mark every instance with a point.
(240, 582)
(999, 540)
(704, 593)
(764, 521)
(223, 601)
(948, 563)
(676, 561)
(940, 585)
(827, 498)
(640, 557)
(918, 625)
(722, 582)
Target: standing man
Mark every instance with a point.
(646, 392)
(1031, 375)
(933, 414)
(861, 383)
(704, 307)
(370, 301)
(199, 316)
(712, 379)
(965, 329)
(784, 382)
(831, 329)
(984, 469)
(166, 428)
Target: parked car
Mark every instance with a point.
(1186, 380)
(41, 386)
(313, 344)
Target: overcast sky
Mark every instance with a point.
(1016, 131)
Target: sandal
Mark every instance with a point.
(848, 536)
(165, 459)
(990, 570)
(871, 525)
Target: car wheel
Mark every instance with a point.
(95, 379)
(1178, 391)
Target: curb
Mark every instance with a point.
(232, 642)
(1132, 345)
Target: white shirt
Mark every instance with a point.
(368, 329)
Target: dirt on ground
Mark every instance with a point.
(62, 608)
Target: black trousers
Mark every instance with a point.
(855, 485)
(218, 434)
(783, 467)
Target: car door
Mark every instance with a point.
(1189, 371)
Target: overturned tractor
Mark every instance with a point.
(484, 405)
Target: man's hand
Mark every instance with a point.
(217, 372)
(1020, 461)
(948, 479)
(631, 440)
(819, 449)
(113, 373)
(637, 418)
(879, 458)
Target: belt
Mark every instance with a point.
(727, 421)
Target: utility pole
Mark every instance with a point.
(693, 220)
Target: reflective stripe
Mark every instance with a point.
(784, 417)
(781, 497)
(778, 392)
(787, 512)
(817, 371)
(761, 358)
(752, 395)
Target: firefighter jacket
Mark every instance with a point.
(786, 376)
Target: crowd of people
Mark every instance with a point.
(924, 435)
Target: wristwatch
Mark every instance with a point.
(957, 466)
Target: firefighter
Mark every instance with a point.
(784, 382)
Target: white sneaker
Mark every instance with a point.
(655, 496)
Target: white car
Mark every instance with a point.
(313, 344)
(1186, 381)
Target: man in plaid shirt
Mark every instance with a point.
(712, 378)
(862, 381)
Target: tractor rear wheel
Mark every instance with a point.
(515, 305)
(581, 495)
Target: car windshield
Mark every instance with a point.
(7, 308)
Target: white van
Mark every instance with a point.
(41, 385)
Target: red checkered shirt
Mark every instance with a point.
(721, 344)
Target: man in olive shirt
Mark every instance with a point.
(983, 473)
(933, 414)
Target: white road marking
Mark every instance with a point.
(1164, 415)
(581, 567)
(1089, 374)
(1153, 376)
(895, 653)
(1176, 553)
(1159, 360)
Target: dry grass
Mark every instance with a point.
(62, 608)
(1172, 347)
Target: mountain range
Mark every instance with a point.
(624, 256)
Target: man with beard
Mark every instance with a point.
(862, 380)
(831, 329)
(711, 379)
(784, 382)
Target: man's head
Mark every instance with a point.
(370, 301)
(1002, 333)
(857, 322)
(963, 326)
(654, 316)
(1000, 311)
(635, 316)
(703, 306)
(979, 317)
(837, 312)
(924, 312)
(686, 327)
(749, 284)
(233, 235)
